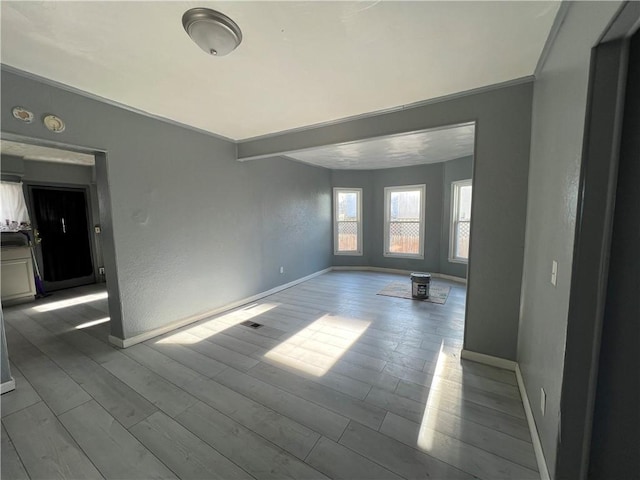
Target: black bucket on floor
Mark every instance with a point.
(420, 285)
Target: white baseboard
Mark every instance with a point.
(8, 386)
(535, 438)
(396, 270)
(489, 360)
(450, 277)
(142, 337)
(513, 366)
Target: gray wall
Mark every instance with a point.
(186, 228)
(558, 121)
(454, 170)
(12, 167)
(49, 173)
(58, 173)
(437, 177)
(501, 163)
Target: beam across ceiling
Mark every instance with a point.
(445, 111)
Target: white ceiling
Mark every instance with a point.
(300, 63)
(416, 148)
(44, 154)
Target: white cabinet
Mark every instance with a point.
(17, 275)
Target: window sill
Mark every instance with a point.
(348, 254)
(404, 255)
(458, 260)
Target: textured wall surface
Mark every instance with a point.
(186, 227)
(12, 166)
(558, 121)
(49, 172)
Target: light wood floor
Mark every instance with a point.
(338, 382)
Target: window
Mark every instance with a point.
(13, 208)
(404, 221)
(460, 221)
(347, 227)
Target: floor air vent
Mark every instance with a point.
(251, 324)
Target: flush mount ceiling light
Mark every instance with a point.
(213, 32)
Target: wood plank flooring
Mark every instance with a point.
(338, 382)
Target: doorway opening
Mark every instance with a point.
(60, 192)
(65, 192)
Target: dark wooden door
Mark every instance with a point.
(65, 250)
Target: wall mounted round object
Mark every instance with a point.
(22, 114)
(53, 123)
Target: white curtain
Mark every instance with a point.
(13, 208)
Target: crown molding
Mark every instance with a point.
(91, 96)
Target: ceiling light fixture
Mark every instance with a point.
(213, 32)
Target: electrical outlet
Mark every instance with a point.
(554, 272)
(281, 269)
(101, 270)
(543, 400)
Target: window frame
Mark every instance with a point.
(387, 214)
(358, 192)
(453, 218)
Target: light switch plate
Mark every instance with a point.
(554, 272)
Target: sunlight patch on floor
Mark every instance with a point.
(208, 328)
(70, 302)
(180, 338)
(231, 319)
(92, 323)
(303, 352)
(430, 418)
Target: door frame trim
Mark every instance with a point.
(594, 225)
